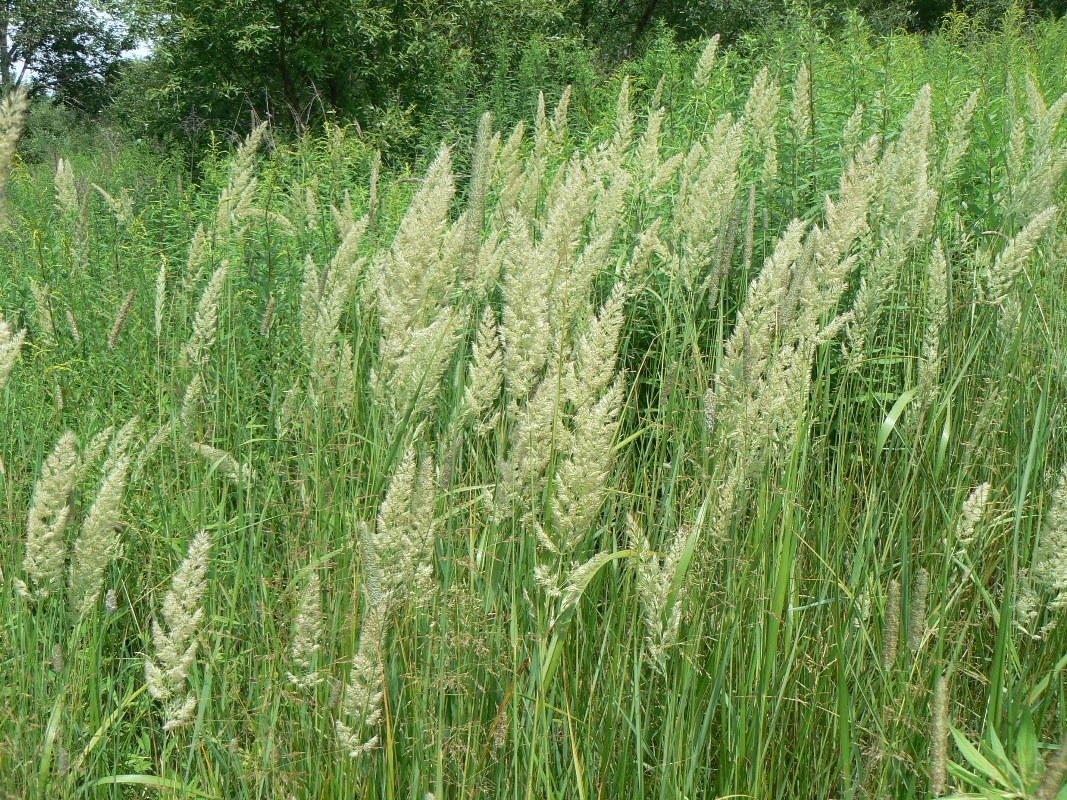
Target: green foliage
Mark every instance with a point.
(67, 48)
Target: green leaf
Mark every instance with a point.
(890, 422)
(976, 759)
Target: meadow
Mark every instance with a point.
(701, 435)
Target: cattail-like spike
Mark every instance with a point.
(939, 737)
(120, 320)
(891, 627)
(175, 639)
(1055, 774)
(46, 548)
(307, 637)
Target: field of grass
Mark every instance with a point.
(711, 446)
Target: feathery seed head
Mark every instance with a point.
(195, 351)
(175, 636)
(46, 548)
(307, 637)
(702, 73)
(10, 345)
(120, 320)
(800, 108)
(98, 543)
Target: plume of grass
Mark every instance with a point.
(958, 139)
(800, 106)
(1037, 163)
(397, 555)
(307, 637)
(760, 120)
(936, 301)
(195, 351)
(121, 207)
(709, 186)
(403, 538)
(73, 326)
(46, 549)
(702, 73)
(363, 695)
(13, 110)
(10, 346)
(175, 637)
(656, 573)
(268, 317)
(43, 307)
(98, 543)
(224, 463)
(972, 513)
(120, 320)
(66, 190)
(998, 278)
(485, 375)
(323, 301)
(1045, 587)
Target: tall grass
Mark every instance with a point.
(706, 448)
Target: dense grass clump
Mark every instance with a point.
(710, 448)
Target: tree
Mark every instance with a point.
(295, 60)
(68, 48)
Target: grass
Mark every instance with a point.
(516, 673)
